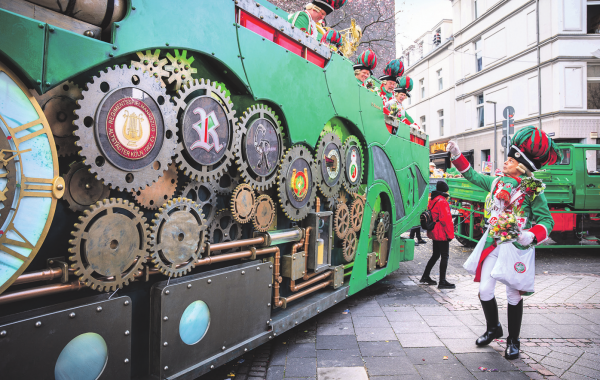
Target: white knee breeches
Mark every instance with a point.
(487, 284)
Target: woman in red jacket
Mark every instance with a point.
(441, 235)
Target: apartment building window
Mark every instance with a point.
(593, 18)
(476, 5)
(423, 123)
(441, 118)
(440, 80)
(422, 86)
(480, 109)
(478, 56)
(593, 87)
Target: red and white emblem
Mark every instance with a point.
(206, 130)
(131, 128)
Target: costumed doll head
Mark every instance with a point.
(365, 64)
(333, 38)
(392, 71)
(530, 149)
(402, 91)
(323, 7)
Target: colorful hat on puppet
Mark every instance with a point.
(332, 37)
(393, 70)
(405, 85)
(533, 148)
(329, 5)
(366, 61)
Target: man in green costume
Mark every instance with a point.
(365, 64)
(518, 193)
(313, 13)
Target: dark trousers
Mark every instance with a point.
(415, 231)
(440, 249)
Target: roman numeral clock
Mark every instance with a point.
(29, 181)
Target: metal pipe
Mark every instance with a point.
(40, 291)
(539, 69)
(237, 243)
(48, 274)
(277, 302)
(285, 236)
(306, 241)
(301, 294)
(322, 276)
(232, 256)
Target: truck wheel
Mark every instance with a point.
(462, 229)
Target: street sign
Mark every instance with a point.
(509, 123)
(550, 134)
(503, 141)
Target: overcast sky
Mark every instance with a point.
(418, 16)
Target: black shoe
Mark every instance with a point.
(515, 317)
(417, 244)
(428, 280)
(513, 347)
(494, 327)
(446, 285)
(422, 242)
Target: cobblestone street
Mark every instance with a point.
(398, 329)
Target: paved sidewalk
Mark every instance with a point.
(398, 329)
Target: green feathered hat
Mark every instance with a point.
(366, 61)
(329, 5)
(405, 85)
(393, 70)
(533, 148)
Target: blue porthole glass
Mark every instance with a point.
(194, 322)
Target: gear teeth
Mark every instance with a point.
(283, 197)
(350, 141)
(324, 140)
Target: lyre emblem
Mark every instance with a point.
(132, 127)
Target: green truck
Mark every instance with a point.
(572, 190)
(182, 182)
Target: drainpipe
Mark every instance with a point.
(537, 15)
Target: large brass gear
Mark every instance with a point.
(330, 168)
(58, 105)
(386, 219)
(155, 195)
(82, 189)
(152, 64)
(205, 196)
(264, 213)
(181, 69)
(374, 220)
(109, 244)
(211, 171)
(224, 228)
(118, 86)
(357, 211)
(268, 146)
(297, 209)
(353, 143)
(177, 237)
(242, 203)
(350, 245)
(381, 230)
(341, 221)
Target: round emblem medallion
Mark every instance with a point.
(262, 147)
(330, 165)
(205, 130)
(353, 160)
(299, 182)
(131, 128)
(520, 267)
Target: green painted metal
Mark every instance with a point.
(344, 91)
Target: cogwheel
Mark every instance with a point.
(177, 237)
(329, 162)
(374, 220)
(152, 64)
(242, 203)
(160, 191)
(380, 231)
(354, 164)
(205, 196)
(264, 213)
(385, 218)
(181, 69)
(296, 182)
(58, 105)
(82, 189)
(341, 221)
(357, 211)
(109, 244)
(205, 161)
(350, 245)
(224, 228)
(259, 146)
(228, 181)
(141, 113)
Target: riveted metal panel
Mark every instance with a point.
(293, 266)
(32, 342)
(344, 89)
(238, 302)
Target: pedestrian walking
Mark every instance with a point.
(416, 232)
(441, 235)
(517, 196)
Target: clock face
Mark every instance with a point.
(29, 181)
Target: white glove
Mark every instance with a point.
(453, 148)
(525, 238)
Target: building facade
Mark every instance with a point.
(531, 55)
